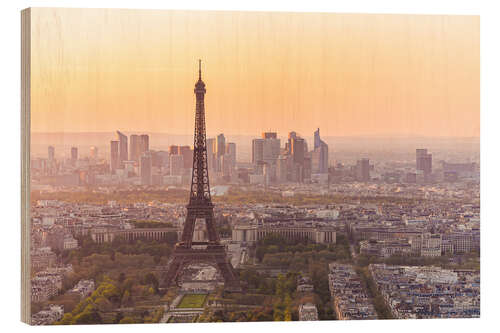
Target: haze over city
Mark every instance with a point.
(350, 74)
(311, 167)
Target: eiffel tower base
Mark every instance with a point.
(214, 255)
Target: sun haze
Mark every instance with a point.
(96, 70)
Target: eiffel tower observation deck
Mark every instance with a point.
(200, 209)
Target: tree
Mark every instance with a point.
(126, 298)
(103, 304)
(128, 320)
(118, 318)
(151, 279)
(89, 316)
(263, 316)
(67, 319)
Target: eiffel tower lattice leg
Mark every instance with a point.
(170, 277)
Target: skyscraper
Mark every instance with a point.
(420, 154)
(271, 149)
(187, 156)
(231, 151)
(297, 149)
(123, 148)
(317, 139)
(144, 143)
(51, 153)
(288, 145)
(229, 160)
(424, 161)
(266, 149)
(173, 150)
(257, 150)
(269, 135)
(220, 150)
(319, 155)
(74, 154)
(283, 165)
(114, 162)
(176, 165)
(211, 154)
(226, 166)
(145, 167)
(138, 145)
(221, 145)
(135, 150)
(363, 170)
(160, 159)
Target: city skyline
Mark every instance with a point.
(271, 223)
(349, 79)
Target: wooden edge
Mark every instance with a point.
(25, 164)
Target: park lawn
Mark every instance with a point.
(192, 301)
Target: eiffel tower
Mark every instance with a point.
(200, 208)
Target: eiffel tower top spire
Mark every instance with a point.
(200, 85)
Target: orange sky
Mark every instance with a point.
(349, 74)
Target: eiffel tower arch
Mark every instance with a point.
(186, 251)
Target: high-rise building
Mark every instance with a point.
(292, 135)
(231, 151)
(227, 166)
(145, 167)
(420, 154)
(176, 165)
(211, 157)
(220, 151)
(159, 159)
(174, 150)
(257, 150)
(363, 170)
(319, 155)
(93, 152)
(135, 150)
(115, 156)
(307, 168)
(424, 162)
(123, 148)
(139, 144)
(51, 152)
(282, 168)
(271, 150)
(317, 139)
(221, 145)
(269, 135)
(297, 149)
(74, 154)
(144, 143)
(266, 149)
(187, 156)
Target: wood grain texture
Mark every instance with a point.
(25, 164)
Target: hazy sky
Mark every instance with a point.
(349, 74)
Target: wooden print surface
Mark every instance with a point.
(329, 164)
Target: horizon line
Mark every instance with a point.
(258, 134)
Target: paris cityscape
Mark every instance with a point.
(317, 171)
(307, 237)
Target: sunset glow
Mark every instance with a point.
(350, 74)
